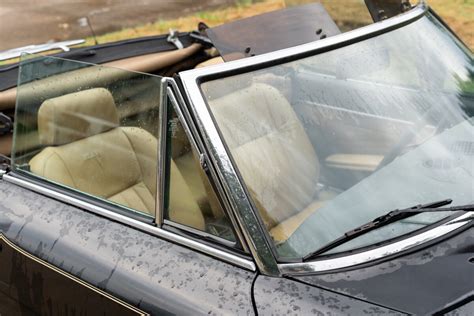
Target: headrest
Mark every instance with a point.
(75, 116)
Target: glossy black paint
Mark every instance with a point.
(29, 286)
(280, 296)
(421, 283)
(155, 275)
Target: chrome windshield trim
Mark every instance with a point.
(152, 230)
(377, 253)
(254, 232)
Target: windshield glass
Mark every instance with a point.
(329, 142)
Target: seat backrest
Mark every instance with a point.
(269, 145)
(86, 149)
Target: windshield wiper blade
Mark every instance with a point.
(389, 218)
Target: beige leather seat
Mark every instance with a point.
(89, 151)
(274, 155)
(210, 62)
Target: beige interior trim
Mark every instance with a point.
(210, 62)
(153, 62)
(145, 63)
(354, 162)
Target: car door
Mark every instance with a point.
(108, 204)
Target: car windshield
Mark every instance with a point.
(329, 142)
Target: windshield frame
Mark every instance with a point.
(248, 217)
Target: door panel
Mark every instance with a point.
(150, 273)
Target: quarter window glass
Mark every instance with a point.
(90, 128)
(191, 199)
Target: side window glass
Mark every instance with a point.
(190, 198)
(90, 128)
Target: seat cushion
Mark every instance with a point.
(285, 229)
(119, 165)
(102, 165)
(137, 197)
(210, 62)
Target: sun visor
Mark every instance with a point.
(272, 31)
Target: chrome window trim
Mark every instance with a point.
(150, 229)
(190, 131)
(377, 253)
(255, 233)
(159, 212)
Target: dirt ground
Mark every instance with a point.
(25, 22)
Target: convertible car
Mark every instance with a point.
(274, 165)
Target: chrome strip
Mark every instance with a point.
(152, 230)
(377, 253)
(160, 185)
(254, 232)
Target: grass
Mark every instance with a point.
(459, 14)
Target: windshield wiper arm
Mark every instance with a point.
(389, 218)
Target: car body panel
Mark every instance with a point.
(420, 283)
(148, 272)
(281, 296)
